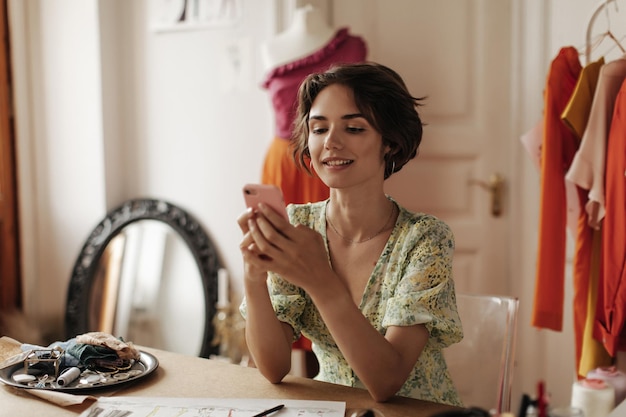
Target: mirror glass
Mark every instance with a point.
(148, 274)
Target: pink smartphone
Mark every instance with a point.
(271, 195)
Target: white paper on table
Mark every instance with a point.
(218, 407)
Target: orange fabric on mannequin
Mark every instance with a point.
(558, 149)
(298, 186)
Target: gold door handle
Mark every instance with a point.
(495, 186)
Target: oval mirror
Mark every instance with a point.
(147, 273)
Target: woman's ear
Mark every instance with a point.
(386, 150)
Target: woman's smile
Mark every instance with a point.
(337, 162)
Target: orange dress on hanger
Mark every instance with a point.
(558, 149)
(611, 306)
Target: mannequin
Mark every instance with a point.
(308, 45)
(307, 33)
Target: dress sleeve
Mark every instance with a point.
(424, 293)
(287, 300)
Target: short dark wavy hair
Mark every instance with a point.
(380, 95)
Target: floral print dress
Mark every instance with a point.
(410, 284)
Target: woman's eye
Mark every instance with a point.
(352, 129)
(318, 130)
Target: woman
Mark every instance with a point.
(367, 281)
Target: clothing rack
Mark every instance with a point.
(601, 5)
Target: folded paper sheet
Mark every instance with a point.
(215, 407)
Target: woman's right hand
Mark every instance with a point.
(252, 270)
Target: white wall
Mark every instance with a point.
(59, 144)
(110, 109)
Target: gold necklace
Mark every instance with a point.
(352, 241)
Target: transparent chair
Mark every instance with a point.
(482, 364)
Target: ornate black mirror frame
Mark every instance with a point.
(203, 251)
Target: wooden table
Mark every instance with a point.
(187, 376)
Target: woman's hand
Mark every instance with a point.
(296, 253)
(249, 251)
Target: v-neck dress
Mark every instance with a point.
(410, 284)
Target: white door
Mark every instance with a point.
(457, 53)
